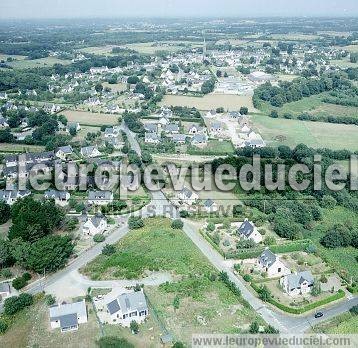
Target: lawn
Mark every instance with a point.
(210, 101)
(343, 324)
(37, 63)
(8, 147)
(90, 119)
(205, 304)
(314, 134)
(214, 147)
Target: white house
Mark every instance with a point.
(11, 196)
(67, 316)
(5, 291)
(90, 152)
(111, 132)
(3, 122)
(199, 140)
(128, 307)
(211, 113)
(248, 230)
(187, 196)
(271, 264)
(64, 152)
(210, 206)
(179, 139)
(216, 129)
(297, 283)
(61, 197)
(151, 138)
(100, 197)
(95, 225)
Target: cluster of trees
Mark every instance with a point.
(31, 243)
(133, 122)
(21, 80)
(15, 304)
(185, 112)
(340, 236)
(208, 86)
(299, 88)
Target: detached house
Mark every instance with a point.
(95, 225)
(187, 196)
(151, 128)
(64, 152)
(128, 307)
(171, 128)
(3, 96)
(61, 197)
(298, 283)
(5, 291)
(211, 113)
(3, 122)
(111, 132)
(151, 138)
(271, 264)
(10, 197)
(179, 139)
(248, 230)
(210, 206)
(199, 140)
(100, 197)
(216, 128)
(90, 152)
(67, 316)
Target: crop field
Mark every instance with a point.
(214, 147)
(210, 101)
(7, 147)
(314, 134)
(90, 119)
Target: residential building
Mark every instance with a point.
(199, 140)
(90, 152)
(271, 264)
(5, 291)
(64, 152)
(95, 225)
(179, 139)
(297, 283)
(68, 316)
(187, 196)
(151, 138)
(128, 307)
(248, 230)
(11, 196)
(61, 197)
(210, 206)
(100, 197)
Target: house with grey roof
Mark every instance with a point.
(150, 127)
(297, 283)
(210, 206)
(171, 128)
(216, 129)
(11, 196)
(68, 316)
(128, 307)
(271, 264)
(90, 152)
(187, 196)
(199, 140)
(61, 197)
(111, 132)
(248, 230)
(179, 139)
(151, 138)
(95, 225)
(3, 122)
(64, 152)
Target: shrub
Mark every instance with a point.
(354, 310)
(19, 283)
(99, 238)
(6, 273)
(113, 342)
(15, 304)
(210, 227)
(50, 300)
(135, 222)
(134, 327)
(108, 250)
(26, 276)
(183, 214)
(177, 224)
(247, 278)
(3, 326)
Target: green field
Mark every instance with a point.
(7, 147)
(343, 324)
(203, 297)
(314, 134)
(37, 63)
(214, 147)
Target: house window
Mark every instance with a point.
(133, 314)
(279, 270)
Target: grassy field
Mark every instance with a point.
(5, 147)
(89, 118)
(117, 87)
(151, 48)
(351, 48)
(38, 63)
(206, 304)
(314, 134)
(341, 259)
(343, 324)
(102, 50)
(294, 37)
(344, 63)
(210, 101)
(214, 147)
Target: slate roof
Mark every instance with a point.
(113, 307)
(179, 137)
(295, 281)
(246, 228)
(99, 195)
(65, 313)
(55, 194)
(267, 258)
(209, 203)
(199, 138)
(132, 301)
(68, 320)
(4, 287)
(172, 127)
(150, 127)
(97, 219)
(66, 149)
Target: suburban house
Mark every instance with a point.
(3, 96)
(248, 230)
(195, 129)
(95, 225)
(64, 152)
(211, 113)
(115, 142)
(5, 291)
(210, 206)
(271, 264)
(100, 197)
(61, 197)
(255, 143)
(199, 140)
(90, 152)
(67, 316)
(151, 138)
(113, 109)
(11, 196)
(297, 283)
(3, 122)
(216, 128)
(187, 196)
(171, 128)
(150, 127)
(235, 115)
(51, 109)
(128, 307)
(111, 132)
(179, 139)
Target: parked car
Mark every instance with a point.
(318, 315)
